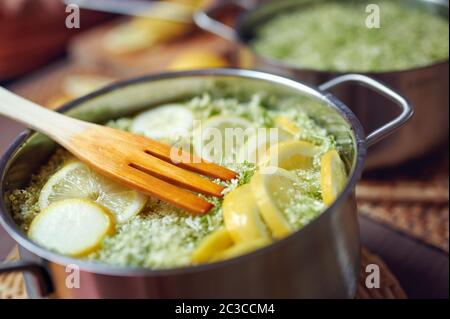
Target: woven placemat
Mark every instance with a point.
(413, 199)
(12, 286)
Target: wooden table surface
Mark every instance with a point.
(422, 270)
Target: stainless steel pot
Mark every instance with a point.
(426, 87)
(321, 260)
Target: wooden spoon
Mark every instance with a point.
(135, 161)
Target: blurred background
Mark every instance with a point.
(403, 205)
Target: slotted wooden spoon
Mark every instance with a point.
(136, 161)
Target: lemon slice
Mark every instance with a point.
(291, 155)
(166, 121)
(288, 125)
(128, 38)
(241, 249)
(273, 193)
(77, 180)
(220, 137)
(72, 227)
(197, 60)
(212, 244)
(332, 176)
(141, 33)
(257, 146)
(241, 216)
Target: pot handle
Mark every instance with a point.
(39, 272)
(388, 128)
(203, 19)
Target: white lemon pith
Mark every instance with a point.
(241, 216)
(77, 180)
(74, 227)
(167, 121)
(333, 177)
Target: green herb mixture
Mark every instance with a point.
(333, 36)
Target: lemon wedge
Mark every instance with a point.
(288, 125)
(72, 227)
(257, 146)
(291, 155)
(197, 60)
(77, 180)
(241, 249)
(273, 192)
(241, 216)
(219, 138)
(332, 176)
(212, 244)
(166, 121)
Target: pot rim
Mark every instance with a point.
(102, 268)
(289, 66)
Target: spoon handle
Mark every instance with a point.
(57, 126)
